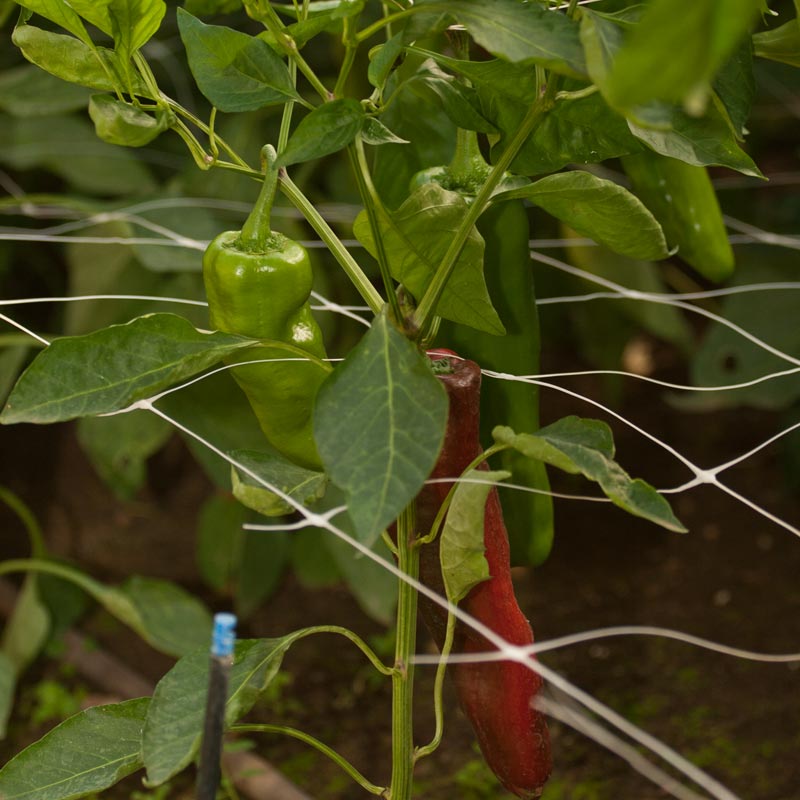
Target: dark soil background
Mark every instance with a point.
(735, 579)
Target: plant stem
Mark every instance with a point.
(403, 679)
(28, 519)
(256, 233)
(316, 743)
(351, 47)
(373, 205)
(426, 310)
(339, 251)
(358, 642)
(371, 30)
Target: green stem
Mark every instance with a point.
(317, 744)
(371, 30)
(257, 235)
(351, 47)
(286, 118)
(28, 519)
(196, 121)
(357, 641)
(426, 310)
(438, 705)
(403, 679)
(339, 251)
(443, 508)
(89, 585)
(373, 205)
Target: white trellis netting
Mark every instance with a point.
(579, 710)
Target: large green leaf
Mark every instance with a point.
(236, 72)
(112, 368)
(327, 129)
(60, 12)
(379, 422)
(676, 50)
(87, 753)
(303, 485)
(600, 209)
(174, 724)
(464, 564)
(417, 236)
(516, 31)
(586, 446)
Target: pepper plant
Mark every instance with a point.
(452, 117)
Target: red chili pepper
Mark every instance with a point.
(496, 696)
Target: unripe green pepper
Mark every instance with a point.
(509, 278)
(682, 199)
(258, 284)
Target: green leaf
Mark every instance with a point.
(74, 61)
(464, 564)
(735, 86)
(219, 540)
(166, 616)
(174, 724)
(416, 237)
(8, 682)
(586, 446)
(702, 141)
(112, 368)
(676, 50)
(62, 13)
(327, 129)
(382, 59)
(11, 362)
(515, 31)
(210, 7)
(379, 422)
(600, 209)
(95, 11)
(119, 447)
(67, 147)
(374, 132)
(303, 485)
(120, 123)
(29, 91)
(85, 754)
(264, 556)
(780, 44)
(26, 631)
(133, 23)
(235, 72)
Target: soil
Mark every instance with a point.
(735, 579)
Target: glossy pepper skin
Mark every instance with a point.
(496, 696)
(681, 197)
(258, 285)
(509, 279)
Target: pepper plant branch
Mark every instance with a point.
(427, 306)
(351, 47)
(318, 745)
(403, 678)
(362, 283)
(372, 205)
(371, 30)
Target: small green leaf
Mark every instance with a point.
(515, 31)
(87, 753)
(600, 209)
(327, 129)
(303, 485)
(586, 446)
(112, 368)
(26, 631)
(174, 724)
(120, 123)
(416, 237)
(8, 682)
(235, 72)
(374, 132)
(379, 422)
(464, 564)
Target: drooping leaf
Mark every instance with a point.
(676, 50)
(120, 123)
(586, 446)
(600, 209)
(235, 72)
(464, 564)
(327, 129)
(379, 422)
(516, 31)
(303, 485)
(112, 368)
(779, 44)
(174, 725)
(85, 754)
(417, 236)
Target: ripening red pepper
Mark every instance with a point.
(496, 696)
